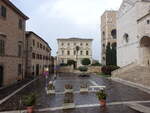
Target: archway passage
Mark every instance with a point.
(1, 76)
(145, 50)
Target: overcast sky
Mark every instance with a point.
(52, 19)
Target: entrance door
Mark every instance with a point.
(1, 76)
(37, 69)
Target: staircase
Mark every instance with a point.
(134, 73)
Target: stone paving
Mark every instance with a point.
(116, 93)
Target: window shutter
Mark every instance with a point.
(3, 11)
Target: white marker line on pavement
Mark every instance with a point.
(12, 94)
(93, 82)
(81, 106)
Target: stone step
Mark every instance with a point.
(139, 108)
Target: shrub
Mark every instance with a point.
(71, 62)
(83, 68)
(108, 69)
(96, 64)
(63, 64)
(29, 100)
(86, 61)
(101, 95)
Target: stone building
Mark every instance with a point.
(74, 49)
(133, 26)
(12, 36)
(108, 32)
(133, 41)
(38, 55)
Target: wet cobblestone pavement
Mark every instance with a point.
(116, 93)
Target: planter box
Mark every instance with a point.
(50, 91)
(84, 90)
(68, 90)
(68, 105)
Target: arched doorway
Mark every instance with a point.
(145, 51)
(1, 75)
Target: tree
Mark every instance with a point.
(111, 57)
(86, 61)
(108, 54)
(71, 62)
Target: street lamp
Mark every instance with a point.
(77, 49)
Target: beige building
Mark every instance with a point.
(67, 50)
(108, 32)
(12, 36)
(133, 34)
(133, 42)
(38, 55)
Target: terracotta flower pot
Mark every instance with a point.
(30, 109)
(102, 102)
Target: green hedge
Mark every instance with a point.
(83, 69)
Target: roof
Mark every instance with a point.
(28, 33)
(11, 5)
(74, 38)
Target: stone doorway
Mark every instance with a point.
(145, 51)
(1, 75)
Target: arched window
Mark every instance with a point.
(126, 37)
(114, 33)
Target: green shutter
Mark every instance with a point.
(3, 11)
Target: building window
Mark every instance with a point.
(68, 44)
(62, 44)
(3, 11)
(114, 33)
(104, 45)
(62, 52)
(33, 55)
(148, 21)
(81, 44)
(2, 47)
(68, 52)
(81, 52)
(19, 69)
(126, 37)
(103, 35)
(37, 44)
(33, 42)
(20, 24)
(74, 43)
(87, 52)
(87, 44)
(41, 46)
(19, 50)
(74, 52)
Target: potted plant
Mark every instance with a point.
(68, 101)
(29, 101)
(68, 88)
(50, 89)
(84, 88)
(101, 95)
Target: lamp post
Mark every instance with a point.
(46, 74)
(77, 49)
